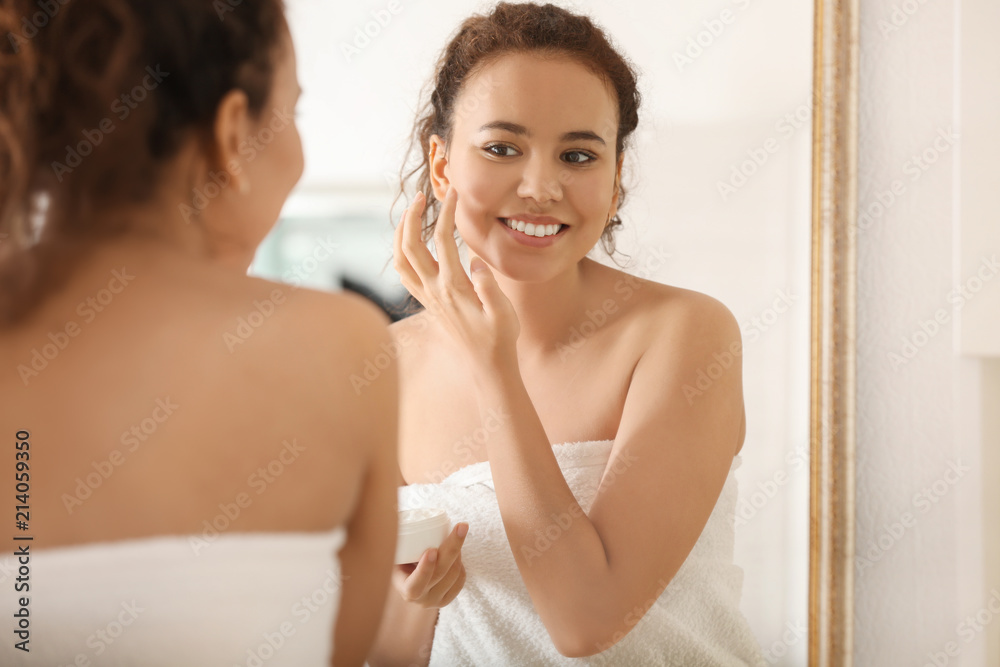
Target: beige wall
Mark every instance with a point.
(991, 495)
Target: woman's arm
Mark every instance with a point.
(672, 453)
(366, 558)
(406, 634)
(414, 601)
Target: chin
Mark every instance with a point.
(524, 269)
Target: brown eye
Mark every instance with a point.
(588, 157)
(496, 150)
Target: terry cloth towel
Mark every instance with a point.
(696, 621)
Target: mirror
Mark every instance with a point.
(720, 194)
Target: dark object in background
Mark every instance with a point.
(396, 309)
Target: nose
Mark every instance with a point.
(542, 180)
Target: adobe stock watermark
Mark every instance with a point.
(303, 611)
(466, 451)
(750, 505)
(634, 616)
(793, 634)
(389, 354)
(132, 439)
(705, 38)
(967, 630)
(381, 19)
(33, 23)
(914, 167)
(121, 107)
(248, 151)
(762, 323)
(626, 288)
(258, 481)
(744, 169)
(472, 445)
(101, 639)
(923, 501)
(254, 320)
(707, 376)
(302, 269)
(547, 537)
(88, 310)
(899, 16)
(930, 327)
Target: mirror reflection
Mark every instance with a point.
(717, 182)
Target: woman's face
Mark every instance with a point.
(533, 139)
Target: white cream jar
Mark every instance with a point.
(420, 529)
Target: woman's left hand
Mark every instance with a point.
(477, 314)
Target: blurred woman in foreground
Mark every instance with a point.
(186, 449)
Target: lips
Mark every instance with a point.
(536, 228)
(535, 219)
(524, 240)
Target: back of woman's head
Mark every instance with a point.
(96, 97)
(519, 28)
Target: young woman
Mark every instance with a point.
(593, 471)
(196, 480)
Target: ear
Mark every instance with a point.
(616, 197)
(231, 129)
(438, 161)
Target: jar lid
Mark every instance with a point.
(421, 519)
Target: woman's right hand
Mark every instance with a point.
(436, 583)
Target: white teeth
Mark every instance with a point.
(531, 229)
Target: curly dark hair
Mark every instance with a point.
(517, 28)
(114, 87)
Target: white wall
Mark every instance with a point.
(920, 412)
(991, 497)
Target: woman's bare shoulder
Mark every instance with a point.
(306, 353)
(308, 322)
(276, 344)
(660, 307)
(412, 336)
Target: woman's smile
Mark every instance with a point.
(537, 235)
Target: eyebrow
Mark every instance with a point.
(514, 128)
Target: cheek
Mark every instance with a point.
(292, 157)
(481, 193)
(590, 192)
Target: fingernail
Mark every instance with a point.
(463, 529)
(432, 557)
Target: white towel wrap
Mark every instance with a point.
(264, 599)
(696, 622)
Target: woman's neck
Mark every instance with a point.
(548, 311)
(152, 230)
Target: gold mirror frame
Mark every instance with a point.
(832, 381)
